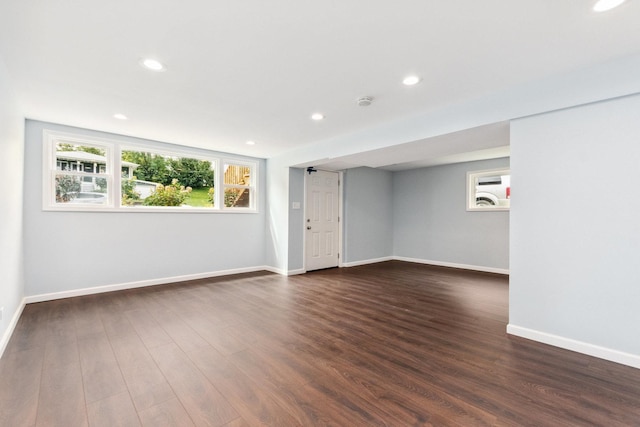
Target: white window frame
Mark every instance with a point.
(253, 194)
(472, 179)
(113, 150)
(178, 153)
(50, 170)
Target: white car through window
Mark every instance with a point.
(493, 191)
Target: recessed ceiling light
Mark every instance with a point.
(152, 64)
(120, 116)
(411, 80)
(317, 116)
(251, 143)
(604, 5)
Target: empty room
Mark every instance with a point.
(294, 214)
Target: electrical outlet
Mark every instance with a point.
(1, 312)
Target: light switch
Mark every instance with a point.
(295, 205)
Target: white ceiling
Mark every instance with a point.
(479, 143)
(256, 70)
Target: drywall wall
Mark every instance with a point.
(277, 229)
(296, 220)
(431, 223)
(70, 250)
(368, 215)
(11, 255)
(575, 232)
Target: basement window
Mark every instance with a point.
(239, 185)
(160, 179)
(489, 190)
(80, 175)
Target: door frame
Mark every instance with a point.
(340, 218)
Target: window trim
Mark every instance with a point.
(146, 148)
(472, 176)
(253, 193)
(50, 170)
(113, 149)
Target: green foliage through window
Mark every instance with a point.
(173, 194)
(129, 195)
(84, 173)
(151, 167)
(67, 188)
(64, 146)
(163, 170)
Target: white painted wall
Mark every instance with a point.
(368, 215)
(66, 251)
(11, 255)
(431, 223)
(575, 228)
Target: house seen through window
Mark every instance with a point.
(80, 176)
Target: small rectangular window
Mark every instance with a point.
(238, 185)
(489, 190)
(79, 176)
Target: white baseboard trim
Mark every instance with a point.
(284, 272)
(366, 261)
(398, 258)
(453, 265)
(275, 270)
(577, 346)
(139, 284)
(12, 326)
(296, 272)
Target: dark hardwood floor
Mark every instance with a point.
(394, 343)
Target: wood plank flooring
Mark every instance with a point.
(395, 344)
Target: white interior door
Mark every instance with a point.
(322, 224)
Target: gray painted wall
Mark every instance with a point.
(75, 250)
(11, 172)
(431, 223)
(296, 219)
(368, 214)
(575, 224)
